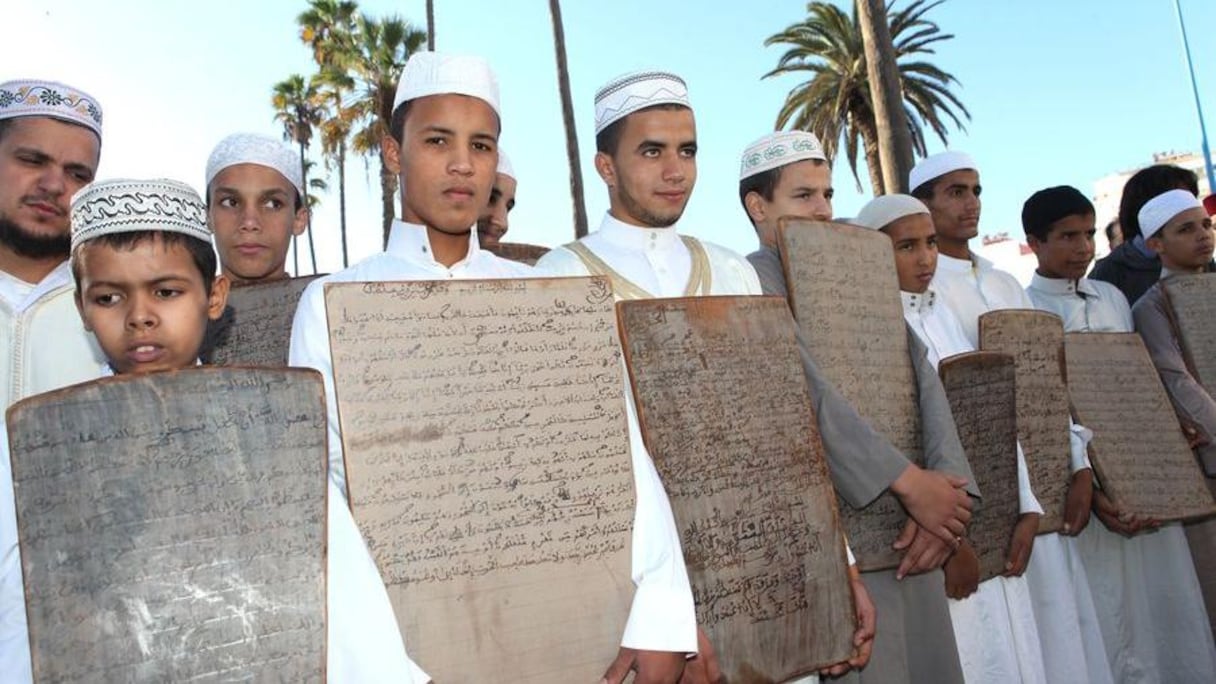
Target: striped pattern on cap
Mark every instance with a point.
(626, 94)
(125, 205)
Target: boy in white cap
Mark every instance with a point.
(146, 286)
(1148, 618)
(255, 206)
(1175, 225)
(949, 186)
(646, 142)
(50, 143)
(994, 627)
(493, 223)
(443, 146)
(786, 174)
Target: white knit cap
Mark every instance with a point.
(263, 150)
(938, 165)
(433, 73)
(29, 97)
(123, 205)
(1164, 207)
(882, 211)
(779, 149)
(504, 164)
(626, 94)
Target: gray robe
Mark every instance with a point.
(915, 637)
(1193, 404)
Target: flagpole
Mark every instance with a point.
(1186, 48)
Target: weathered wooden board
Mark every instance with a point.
(728, 420)
(844, 292)
(980, 387)
(172, 527)
(519, 251)
(1035, 339)
(488, 466)
(256, 327)
(1192, 300)
(1139, 452)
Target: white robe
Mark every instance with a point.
(1145, 590)
(661, 617)
(1072, 644)
(995, 629)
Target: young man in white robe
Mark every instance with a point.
(994, 625)
(50, 144)
(443, 147)
(786, 174)
(948, 184)
(646, 145)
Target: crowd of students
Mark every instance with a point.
(121, 277)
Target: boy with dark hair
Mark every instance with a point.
(948, 184)
(146, 288)
(1132, 607)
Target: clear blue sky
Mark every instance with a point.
(1059, 92)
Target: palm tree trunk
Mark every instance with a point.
(312, 250)
(891, 124)
(430, 25)
(342, 198)
(874, 164)
(563, 84)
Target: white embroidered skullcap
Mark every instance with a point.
(124, 205)
(263, 150)
(937, 165)
(882, 211)
(30, 97)
(779, 149)
(433, 73)
(626, 94)
(1161, 209)
(504, 164)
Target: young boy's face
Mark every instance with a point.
(252, 212)
(804, 189)
(1185, 243)
(447, 161)
(1068, 249)
(915, 243)
(146, 304)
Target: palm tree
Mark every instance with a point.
(379, 50)
(296, 107)
(835, 103)
(563, 86)
(337, 122)
(327, 27)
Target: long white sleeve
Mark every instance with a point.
(365, 645)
